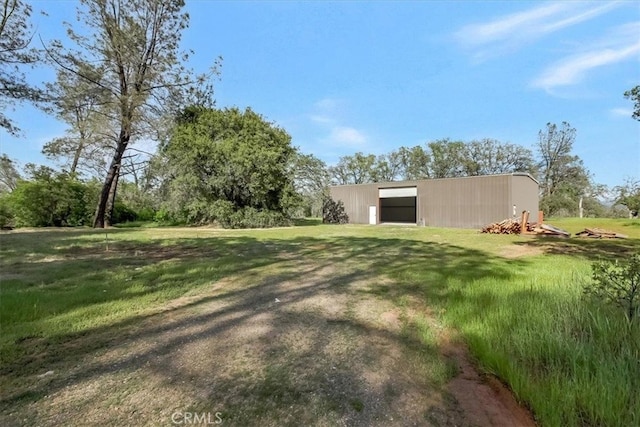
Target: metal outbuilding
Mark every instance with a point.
(468, 202)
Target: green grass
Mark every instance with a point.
(515, 300)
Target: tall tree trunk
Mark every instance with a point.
(112, 173)
(76, 155)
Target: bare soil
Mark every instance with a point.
(274, 352)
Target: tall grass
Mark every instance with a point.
(573, 362)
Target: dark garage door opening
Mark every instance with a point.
(398, 209)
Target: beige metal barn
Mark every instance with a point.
(468, 202)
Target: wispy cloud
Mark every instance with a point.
(348, 136)
(621, 44)
(326, 110)
(621, 112)
(510, 32)
(328, 114)
(321, 119)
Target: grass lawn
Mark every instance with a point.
(311, 324)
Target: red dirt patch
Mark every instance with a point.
(484, 400)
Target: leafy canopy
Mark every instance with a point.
(229, 156)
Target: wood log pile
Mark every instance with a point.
(507, 226)
(515, 226)
(599, 233)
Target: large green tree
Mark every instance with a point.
(447, 158)
(388, 167)
(136, 46)
(489, 157)
(564, 179)
(221, 161)
(415, 163)
(311, 180)
(356, 169)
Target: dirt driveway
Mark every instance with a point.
(288, 349)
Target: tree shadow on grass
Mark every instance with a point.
(240, 279)
(588, 248)
(18, 244)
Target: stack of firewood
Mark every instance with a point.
(513, 226)
(507, 226)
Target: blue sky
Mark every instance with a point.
(372, 76)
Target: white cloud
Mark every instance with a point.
(622, 44)
(347, 136)
(328, 104)
(321, 119)
(621, 112)
(509, 32)
(329, 114)
(504, 27)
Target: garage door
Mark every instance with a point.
(398, 204)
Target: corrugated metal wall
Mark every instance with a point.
(524, 194)
(469, 202)
(357, 199)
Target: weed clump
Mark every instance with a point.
(618, 283)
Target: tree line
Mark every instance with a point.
(121, 80)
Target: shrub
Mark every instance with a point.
(221, 212)
(333, 212)
(51, 200)
(163, 216)
(254, 218)
(146, 214)
(618, 283)
(6, 212)
(122, 213)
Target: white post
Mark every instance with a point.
(580, 207)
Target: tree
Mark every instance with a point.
(221, 162)
(356, 169)
(489, 157)
(447, 158)
(9, 175)
(138, 190)
(634, 95)
(387, 168)
(628, 195)
(136, 45)
(15, 36)
(79, 103)
(415, 163)
(311, 180)
(564, 179)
